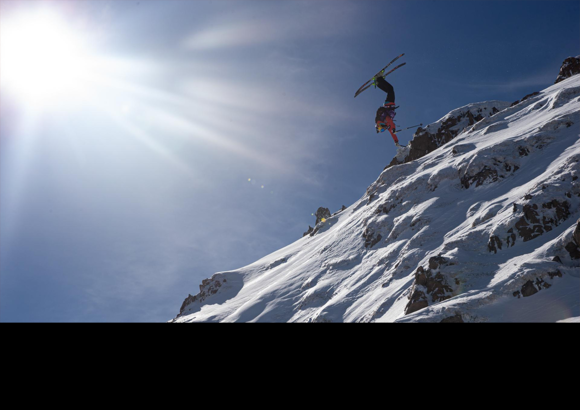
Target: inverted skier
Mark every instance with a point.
(386, 113)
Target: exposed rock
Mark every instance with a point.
(555, 273)
(529, 289)
(435, 261)
(485, 175)
(207, 288)
(570, 67)
(523, 151)
(511, 238)
(532, 287)
(573, 250)
(529, 226)
(427, 286)
(432, 137)
(525, 98)
(339, 211)
(322, 213)
(576, 234)
(370, 238)
(556, 259)
(494, 244)
(188, 300)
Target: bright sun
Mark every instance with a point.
(41, 60)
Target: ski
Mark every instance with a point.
(383, 75)
(379, 74)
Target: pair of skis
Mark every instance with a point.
(379, 74)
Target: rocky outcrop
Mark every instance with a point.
(435, 135)
(530, 226)
(570, 67)
(207, 288)
(430, 286)
(322, 214)
(534, 221)
(531, 287)
(525, 98)
(573, 247)
(489, 173)
(371, 238)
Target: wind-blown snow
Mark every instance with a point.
(467, 233)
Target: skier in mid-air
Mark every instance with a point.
(386, 113)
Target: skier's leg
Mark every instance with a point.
(386, 87)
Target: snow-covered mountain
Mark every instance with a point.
(476, 220)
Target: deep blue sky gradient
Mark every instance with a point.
(107, 220)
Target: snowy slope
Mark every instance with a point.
(480, 229)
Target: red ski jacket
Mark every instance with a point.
(385, 122)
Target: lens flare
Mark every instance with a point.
(41, 58)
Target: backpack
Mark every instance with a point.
(384, 112)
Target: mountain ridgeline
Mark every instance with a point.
(476, 220)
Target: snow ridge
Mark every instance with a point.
(482, 228)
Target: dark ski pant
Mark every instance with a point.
(388, 88)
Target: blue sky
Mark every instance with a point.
(151, 144)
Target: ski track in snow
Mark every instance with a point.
(361, 263)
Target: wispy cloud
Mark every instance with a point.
(535, 80)
(246, 27)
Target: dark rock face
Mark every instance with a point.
(207, 288)
(428, 285)
(322, 213)
(424, 142)
(530, 226)
(525, 98)
(494, 244)
(573, 250)
(371, 239)
(570, 67)
(573, 247)
(531, 287)
(486, 174)
(534, 222)
(489, 173)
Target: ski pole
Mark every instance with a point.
(414, 126)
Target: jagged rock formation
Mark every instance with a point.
(447, 128)
(430, 286)
(483, 225)
(322, 214)
(573, 247)
(570, 67)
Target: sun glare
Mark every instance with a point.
(40, 58)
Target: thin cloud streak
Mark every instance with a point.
(541, 80)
